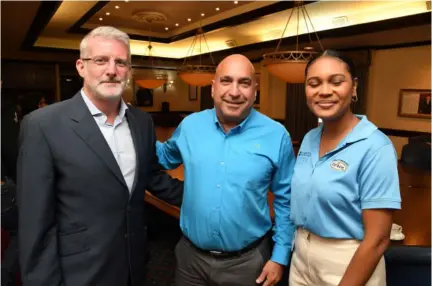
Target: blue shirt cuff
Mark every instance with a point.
(281, 254)
(381, 204)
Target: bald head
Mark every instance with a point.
(234, 89)
(235, 61)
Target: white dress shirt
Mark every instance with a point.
(119, 138)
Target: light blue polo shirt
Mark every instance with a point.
(329, 193)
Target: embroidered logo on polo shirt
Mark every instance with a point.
(339, 165)
(304, 154)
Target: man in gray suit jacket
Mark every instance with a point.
(84, 165)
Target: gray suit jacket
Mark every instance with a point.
(78, 223)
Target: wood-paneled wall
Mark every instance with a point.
(19, 78)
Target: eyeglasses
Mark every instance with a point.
(104, 61)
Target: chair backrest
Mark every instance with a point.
(165, 106)
(417, 154)
(408, 265)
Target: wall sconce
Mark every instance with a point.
(168, 84)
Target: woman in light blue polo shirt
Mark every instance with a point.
(345, 185)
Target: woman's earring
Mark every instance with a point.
(354, 97)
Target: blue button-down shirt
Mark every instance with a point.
(329, 193)
(227, 176)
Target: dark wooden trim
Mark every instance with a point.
(217, 54)
(45, 12)
(76, 53)
(240, 19)
(11, 61)
(383, 25)
(72, 62)
(172, 112)
(367, 28)
(52, 50)
(229, 22)
(403, 133)
(154, 68)
(76, 28)
(389, 47)
(48, 8)
(146, 58)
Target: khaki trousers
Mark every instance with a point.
(318, 261)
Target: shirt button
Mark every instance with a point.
(218, 186)
(222, 163)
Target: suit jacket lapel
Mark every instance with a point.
(137, 140)
(87, 129)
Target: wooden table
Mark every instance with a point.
(163, 206)
(174, 211)
(415, 215)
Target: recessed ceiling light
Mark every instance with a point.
(202, 14)
(177, 24)
(235, 2)
(107, 13)
(100, 19)
(217, 9)
(166, 28)
(117, 7)
(308, 48)
(126, 0)
(189, 19)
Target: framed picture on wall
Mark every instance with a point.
(193, 92)
(415, 103)
(144, 97)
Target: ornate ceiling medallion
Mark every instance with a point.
(144, 16)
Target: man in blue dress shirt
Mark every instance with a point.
(232, 155)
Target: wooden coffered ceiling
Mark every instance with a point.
(230, 26)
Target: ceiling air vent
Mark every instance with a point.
(231, 43)
(340, 21)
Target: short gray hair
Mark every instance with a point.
(105, 32)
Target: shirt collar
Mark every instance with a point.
(238, 127)
(95, 111)
(361, 131)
